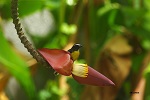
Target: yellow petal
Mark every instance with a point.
(80, 70)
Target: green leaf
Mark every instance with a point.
(52, 4)
(147, 76)
(25, 7)
(44, 95)
(29, 6)
(68, 29)
(108, 7)
(135, 16)
(146, 44)
(17, 67)
(137, 61)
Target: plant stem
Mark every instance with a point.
(27, 44)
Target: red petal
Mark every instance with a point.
(58, 59)
(94, 78)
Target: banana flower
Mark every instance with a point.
(61, 62)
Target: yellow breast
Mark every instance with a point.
(75, 55)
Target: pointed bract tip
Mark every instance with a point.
(94, 78)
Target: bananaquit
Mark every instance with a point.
(74, 51)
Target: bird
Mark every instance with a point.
(74, 51)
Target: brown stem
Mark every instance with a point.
(23, 38)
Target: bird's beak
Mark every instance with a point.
(80, 45)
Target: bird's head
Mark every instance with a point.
(74, 51)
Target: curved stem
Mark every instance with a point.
(27, 44)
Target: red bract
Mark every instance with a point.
(59, 60)
(62, 63)
(94, 78)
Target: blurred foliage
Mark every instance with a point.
(51, 91)
(76, 89)
(16, 66)
(147, 74)
(91, 23)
